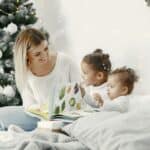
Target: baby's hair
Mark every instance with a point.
(98, 60)
(127, 77)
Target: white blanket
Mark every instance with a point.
(39, 139)
(115, 131)
(98, 131)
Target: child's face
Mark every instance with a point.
(89, 75)
(115, 87)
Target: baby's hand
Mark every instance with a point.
(98, 99)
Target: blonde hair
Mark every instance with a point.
(24, 41)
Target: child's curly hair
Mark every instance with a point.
(98, 60)
(127, 77)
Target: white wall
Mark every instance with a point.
(51, 17)
(120, 27)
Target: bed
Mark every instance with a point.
(98, 131)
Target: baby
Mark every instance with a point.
(120, 84)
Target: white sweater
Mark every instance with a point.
(120, 104)
(41, 90)
(101, 90)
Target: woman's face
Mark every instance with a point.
(38, 55)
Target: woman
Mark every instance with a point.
(39, 74)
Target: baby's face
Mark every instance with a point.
(88, 74)
(115, 88)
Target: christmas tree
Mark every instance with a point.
(14, 16)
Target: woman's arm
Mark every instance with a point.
(28, 97)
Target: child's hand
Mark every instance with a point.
(82, 90)
(98, 99)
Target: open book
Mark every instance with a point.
(60, 120)
(40, 112)
(69, 105)
(57, 121)
(66, 117)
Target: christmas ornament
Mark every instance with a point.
(1, 70)
(9, 91)
(1, 90)
(11, 28)
(1, 54)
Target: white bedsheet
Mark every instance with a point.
(115, 131)
(100, 131)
